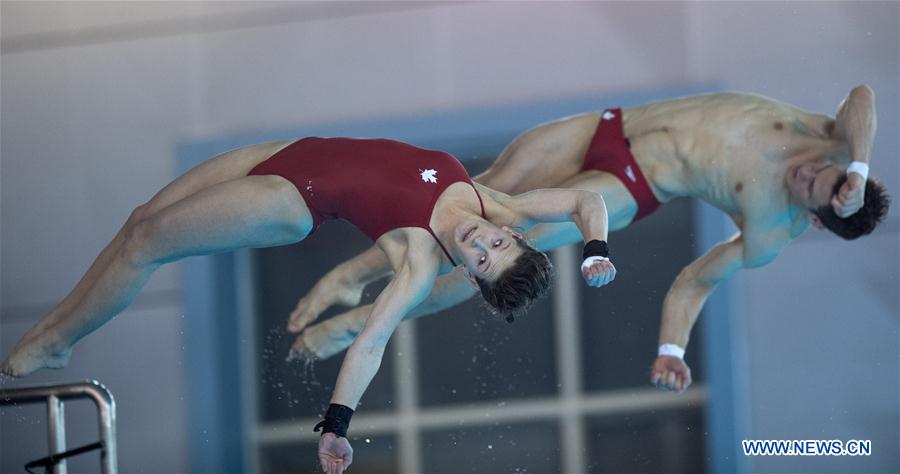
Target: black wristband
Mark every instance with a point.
(337, 420)
(595, 248)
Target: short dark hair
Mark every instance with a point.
(875, 205)
(523, 283)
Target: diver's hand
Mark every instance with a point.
(335, 453)
(670, 373)
(849, 199)
(598, 273)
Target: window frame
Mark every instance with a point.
(226, 281)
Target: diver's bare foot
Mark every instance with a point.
(322, 341)
(32, 355)
(332, 289)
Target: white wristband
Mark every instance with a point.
(859, 168)
(671, 350)
(590, 261)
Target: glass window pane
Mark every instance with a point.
(666, 441)
(377, 456)
(469, 355)
(521, 447)
(284, 275)
(620, 322)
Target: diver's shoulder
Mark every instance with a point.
(705, 104)
(739, 99)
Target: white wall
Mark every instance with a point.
(95, 97)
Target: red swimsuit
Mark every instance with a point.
(378, 185)
(610, 152)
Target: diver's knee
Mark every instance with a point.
(140, 238)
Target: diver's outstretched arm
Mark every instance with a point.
(682, 306)
(408, 288)
(689, 292)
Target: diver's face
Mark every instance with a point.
(812, 184)
(485, 249)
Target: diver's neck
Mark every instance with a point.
(449, 219)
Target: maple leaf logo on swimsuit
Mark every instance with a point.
(429, 176)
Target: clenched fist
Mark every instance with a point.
(598, 273)
(850, 198)
(670, 373)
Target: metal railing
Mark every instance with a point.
(53, 396)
